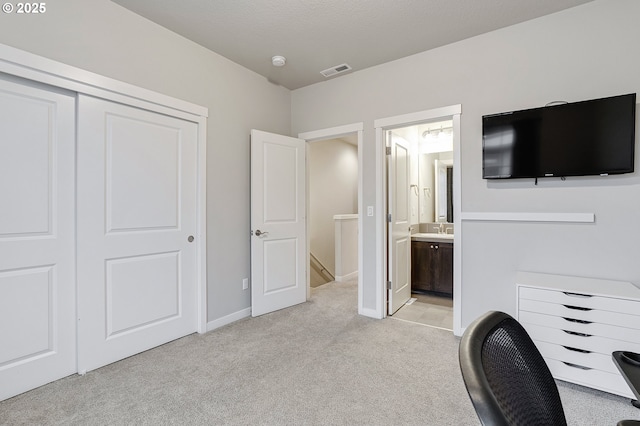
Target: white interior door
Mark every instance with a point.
(136, 223)
(399, 251)
(37, 253)
(278, 222)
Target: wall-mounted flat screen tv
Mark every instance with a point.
(594, 137)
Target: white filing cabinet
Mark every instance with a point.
(577, 323)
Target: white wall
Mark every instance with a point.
(333, 189)
(346, 237)
(586, 52)
(102, 37)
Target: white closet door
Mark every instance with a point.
(37, 281)
(136, 225)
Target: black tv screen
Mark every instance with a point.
(594, 137)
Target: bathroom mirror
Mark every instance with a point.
(443, 205)
(435, 172)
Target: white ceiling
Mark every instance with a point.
(318, 34)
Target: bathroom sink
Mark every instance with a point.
(444, 238)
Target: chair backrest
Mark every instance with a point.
(507, 379)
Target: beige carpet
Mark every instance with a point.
(318, 363)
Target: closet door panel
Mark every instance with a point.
(37, 235)
(136, 222)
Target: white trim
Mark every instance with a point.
(201, 225)
(529, 217)
(349, 277)
(372, 313)
(405, 120)
(329, 133)
(228, 319)
(37, 68)
(307, 208)
(345, 217)
(381, 224)
(32, 67)
(457, 225)
(361, 213)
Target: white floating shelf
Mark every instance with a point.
(529, 217)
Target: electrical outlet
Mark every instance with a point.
(369, 210)
(245, 283)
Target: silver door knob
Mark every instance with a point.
(190, 238)
(259, 232)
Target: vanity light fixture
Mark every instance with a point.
(437, 139)
(437, 132)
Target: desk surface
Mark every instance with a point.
(630, 372)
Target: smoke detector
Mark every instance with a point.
(330, 72)
(278, 61)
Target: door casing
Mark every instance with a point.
(332, 133)
(452, 112)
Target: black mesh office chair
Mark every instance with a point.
(507, 379)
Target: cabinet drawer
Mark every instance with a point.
(613, 383)
(584, 301)
(580, 326)
(584, 314)
(566, 354)
(596, 344)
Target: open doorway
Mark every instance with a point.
(350, 134)
(425, 293)
(333, 209)
(391, 262)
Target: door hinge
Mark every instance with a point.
(389, 217)
(389, 285)
(388, 150)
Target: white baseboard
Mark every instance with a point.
(349, 277)
(371, 313)
(228, 319)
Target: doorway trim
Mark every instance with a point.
(332, 133)
(381, 125)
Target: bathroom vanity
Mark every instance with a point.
(432, 263)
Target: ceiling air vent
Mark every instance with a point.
(330, 72)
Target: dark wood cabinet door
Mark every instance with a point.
(421, 266)
(432, 267)
(444, 276)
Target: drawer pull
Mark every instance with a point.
(575, 333)
(582, 351)
(576, 294)
(577, 308)
(577, 320)
(581, 367)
